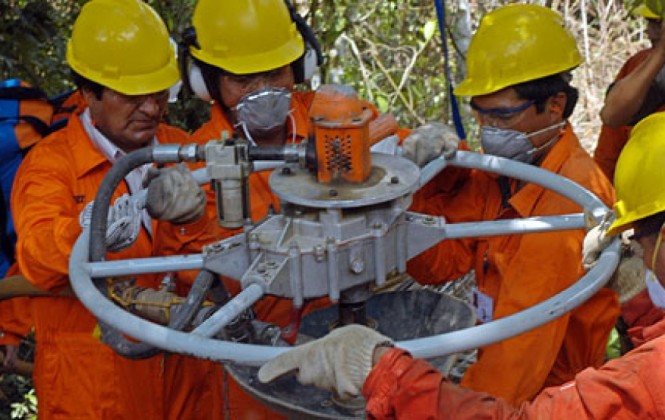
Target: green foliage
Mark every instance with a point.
(389, 51)
(27, 408)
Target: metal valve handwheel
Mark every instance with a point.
(393, 235)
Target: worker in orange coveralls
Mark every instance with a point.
(519, 64)
(518, 71)
(124, 65)
(637, 91)
(355, 358)
(15, 318)
(249, 55)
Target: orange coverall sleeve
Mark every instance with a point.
(15, 320)
(612, 139)
(628, 387)
(15, 317)
(46, 222)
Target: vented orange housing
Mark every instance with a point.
(340, 124)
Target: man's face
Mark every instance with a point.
(129, 122)
(506, 110)
(234, 87)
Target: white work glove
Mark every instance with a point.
(628, 279)
(173, 195)
(596, 240)
(430, 141)
(123, 222)
(338, 362)
(594, 243)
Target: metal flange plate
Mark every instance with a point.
(391, 177)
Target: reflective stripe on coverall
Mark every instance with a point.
(629, 387)
(76, 376)
(270, 309)
(519, 271)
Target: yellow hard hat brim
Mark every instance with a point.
(142, 84)
(248, 64)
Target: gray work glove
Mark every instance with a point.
(628, 279)
(123, 222)
(173, 195)
(430, 141)
(338, 362)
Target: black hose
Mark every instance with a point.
(267, 153)
(179, 321)
(100, 209)
(98, 225)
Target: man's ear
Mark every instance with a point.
(558, 105)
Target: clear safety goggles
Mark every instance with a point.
(500, 117)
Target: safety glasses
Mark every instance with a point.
(500, 117)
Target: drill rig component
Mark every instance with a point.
(341, 133)
(235, 255)
(228, 167)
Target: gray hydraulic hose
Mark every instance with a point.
(179, 321)
(151, 333)
(98, 225)
(512, 169)
(528, 319)
(98, 220)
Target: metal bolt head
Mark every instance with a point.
(286, 170)
(333, 193)
(357, 265)
(394, 179)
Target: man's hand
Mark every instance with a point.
(594, 243)
(123, 223)
(338, 362)
(430, 141)
(628, 280)
(10, 358)
(174, 195)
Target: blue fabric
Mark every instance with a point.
(10, 159)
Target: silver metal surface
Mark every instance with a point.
(317, 247)
(391, 177)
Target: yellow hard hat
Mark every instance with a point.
(246, 36)
(123, 45)
(516, 44)
(644, 11)
(639, 173)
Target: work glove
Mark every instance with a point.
(628, 280)
(173, 195)
(430, 141)
(596, 240)
(338, 362)
(123, 222)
